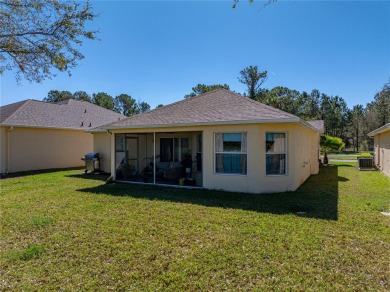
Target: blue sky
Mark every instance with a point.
(156, 51)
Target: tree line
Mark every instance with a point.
(350, 124)
(122, 103)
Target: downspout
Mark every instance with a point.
(8, 165)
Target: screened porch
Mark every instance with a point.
(159, 158)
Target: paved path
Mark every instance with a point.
(343, 160)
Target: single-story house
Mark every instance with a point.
(382, 148)
(41, 135)
(217, 140)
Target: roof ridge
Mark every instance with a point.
(23, 103)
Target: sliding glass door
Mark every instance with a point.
(172, 149)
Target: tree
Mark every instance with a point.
(143, 106)
(328, 144)
(56, 96)
(311, 105)
(253, 79)
(104, 100)
(126, 105)
(382, 105)
(160, 105)
(38, 37)
(356, 124)
(334, 112)
(285, 99)
(203, 88)
(81, 95)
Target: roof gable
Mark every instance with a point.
(217, 106)
(70, 114)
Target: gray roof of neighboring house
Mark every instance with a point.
(67, 114)
(219, 106)
(380, 130)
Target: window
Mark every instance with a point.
(172, 149)
(275, 146)
(231, 153)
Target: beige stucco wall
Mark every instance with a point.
(3, 149)
(37, 148)
(382, 152)
(102, 145)
(302, 156)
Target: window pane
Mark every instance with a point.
(184, 145)
(166, 149)
(232, 142)
(276, 163)
(230, 163)
(199, 143)
(176, 155)
(275, 143)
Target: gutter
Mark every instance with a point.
(43, 127)
(379, 130)
(267, 121)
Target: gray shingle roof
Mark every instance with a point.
(318, 124)
(70, 113)
(217, 106)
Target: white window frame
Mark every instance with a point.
(286, 153)
(238, 153)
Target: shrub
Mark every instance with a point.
(365, 155)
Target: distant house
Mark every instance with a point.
(41, 135)
(234, 144)
(382, 148)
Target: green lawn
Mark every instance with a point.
(66, 231)
(343, 156)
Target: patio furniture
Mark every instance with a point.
(173, 173)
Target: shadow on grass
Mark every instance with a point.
(36, 172)
(317, 197)
(92, 176)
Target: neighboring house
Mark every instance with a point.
(41, 135)
(235, 143)
(382, 148)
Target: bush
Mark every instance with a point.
(365, 155)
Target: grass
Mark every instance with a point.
(345, 155)
(66, 231)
